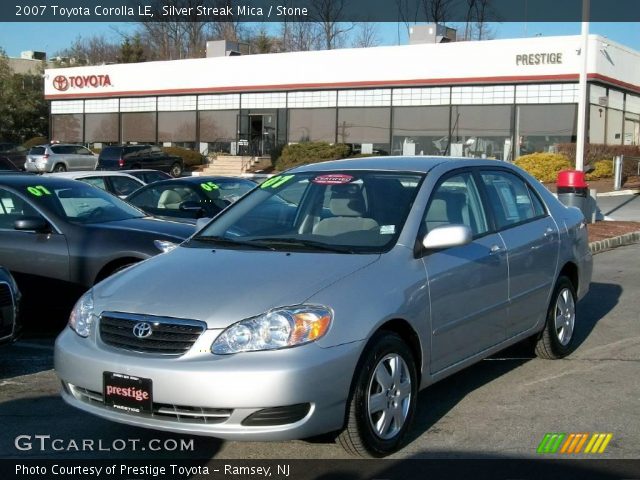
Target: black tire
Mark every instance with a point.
(557, 338)
(176, 170)
(360, 436)
(59, 167)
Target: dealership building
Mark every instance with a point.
(498, 98)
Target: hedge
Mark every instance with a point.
(601, 169)
(190, 158)
(544, 166)
(310, 152)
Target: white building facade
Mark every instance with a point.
(498, 99)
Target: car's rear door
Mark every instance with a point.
(86, 158)
(27, 252)
(467, 284)
(532, 240)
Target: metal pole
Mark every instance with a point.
(582, 90)
(617, 172)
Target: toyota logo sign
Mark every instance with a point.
(142, 330)
(61, 83)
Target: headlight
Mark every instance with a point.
(81, 317)
(165, 246)
(280, 328)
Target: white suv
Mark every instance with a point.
(60, 158)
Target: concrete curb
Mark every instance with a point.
(618, 193)
(614, 242)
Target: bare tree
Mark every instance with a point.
(477, 14)
(366, 35)
(299, 36)
(437, 11)
(328, 15)
(93, 50)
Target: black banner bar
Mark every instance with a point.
(406, 11)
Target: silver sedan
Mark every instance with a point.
(325, 299)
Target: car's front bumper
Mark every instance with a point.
(238, 385)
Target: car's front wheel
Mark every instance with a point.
(557, 338)
(176, 170)
(383, 398)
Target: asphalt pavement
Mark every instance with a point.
(500, 407)
(620, 207)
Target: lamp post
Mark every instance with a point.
(582, 89)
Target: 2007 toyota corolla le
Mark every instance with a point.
(326, 298)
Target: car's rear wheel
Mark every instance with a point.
(383, 399)
(176, 170)
(59, 167)
(557, 338)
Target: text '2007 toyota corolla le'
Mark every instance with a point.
(325, 299)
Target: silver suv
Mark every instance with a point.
(60, 158)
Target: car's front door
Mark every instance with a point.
(38, 254)
(467, 284)
(532, 240)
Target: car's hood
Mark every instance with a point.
(222, 286)
(178, 230)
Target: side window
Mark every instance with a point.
(83, 151)
(13, 208)
(538, 206)
(124, 185)
(456, 201)
(95, 181)
(58, 149)
(146, 199)
(510, 199)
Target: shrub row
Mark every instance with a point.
(191, 158)
(310, 152)
(544, 166)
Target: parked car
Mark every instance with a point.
(16, 154)
(7, 165)
(61, 231)
(187, 199)
(148, 176)
(327, 298)
(118, 183)
(123, 157)
(9, 307)
(58, 157)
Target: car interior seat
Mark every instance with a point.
(170, 199)
(347, 208)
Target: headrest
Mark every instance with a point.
(347, 201)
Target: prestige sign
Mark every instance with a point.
(539, 58)
(62, 83)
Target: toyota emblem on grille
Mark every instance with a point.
(142, 329)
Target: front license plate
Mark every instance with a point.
(127, 393)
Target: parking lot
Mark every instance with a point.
(502, 406)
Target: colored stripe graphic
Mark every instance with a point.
(572, 443)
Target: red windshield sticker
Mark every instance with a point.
(332, 179)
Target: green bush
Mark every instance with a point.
(544, 166)
(310, 152)
(32, 142)
(602, 169)
(190, 158)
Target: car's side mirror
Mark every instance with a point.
(36, 224)
(447, 236)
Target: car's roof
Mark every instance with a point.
(421, 164)
(91, 173)
(26, 180)
(201, 179)
(142, 170)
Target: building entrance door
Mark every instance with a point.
(257, 133)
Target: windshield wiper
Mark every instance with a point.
(305, 243)
(230, 242)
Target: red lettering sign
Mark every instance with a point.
(62, 83)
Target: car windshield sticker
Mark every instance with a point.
(332, 179)
(275, 182)
(209, 186)
(38, 190)
(387, 229)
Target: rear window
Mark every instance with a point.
(37, 151)
(111, 153)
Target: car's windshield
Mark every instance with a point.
(230, 190)
(337, 211)
(81, 203)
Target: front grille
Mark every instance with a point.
(165, 411)
(169, 336)
(6, 299)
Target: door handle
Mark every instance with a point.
(495, 249)
(548, 232)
